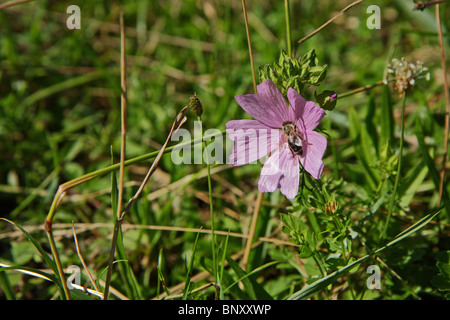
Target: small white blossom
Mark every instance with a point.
(406, 73)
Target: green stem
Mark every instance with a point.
(111, 258)
(399, 166)
(344, 255)
(213, 241)
(362, 89)
(213, 245)
(319, 265)
(288, 27)
(250, 51)
(52, 243)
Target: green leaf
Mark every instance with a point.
(294, 73)
(36, 244)
(323, 100)
(34, 272)
(80, 295)
(430, 164)
(411, 183)
(386, 118)
(22, 252)
(189, 269)
(253, 288)
(310, 289)
(126, 271)
(442, 280)
(370, 122)
(364, 149)
(305, 252)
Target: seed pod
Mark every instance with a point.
(196, 105)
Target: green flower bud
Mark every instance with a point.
(196, 105)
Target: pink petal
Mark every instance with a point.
(313, 152)
(268, 106)
(290, 180)
(308, 113)
(252, 140)
(281, 170)
(245, 124)
(296, 105)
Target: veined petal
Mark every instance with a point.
(245, 124)
(296, 105)
(313, 152)
(268, 106)
(291, 178)
(308, 113)
(252, 140)
(281, 170)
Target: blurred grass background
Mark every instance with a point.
(60, 117)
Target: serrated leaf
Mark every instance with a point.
(323, 100)
(442, 280)
(305, 252)
(294, 73)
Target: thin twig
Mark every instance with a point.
(180, 119)
(123, 110)
(12, 3)
(326, 23)
(251, 234)
(244, 8)
(123, 100)
(288, 27)
(423, 5)
(447, 99)
(365, 88)
(82, 259)
(260, 197)
(84, 227)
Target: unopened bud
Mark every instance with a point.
(196, 105)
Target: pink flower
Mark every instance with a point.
(284, 131)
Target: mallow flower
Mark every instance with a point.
(285, 131)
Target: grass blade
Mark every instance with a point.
(386, 118)
(253, 289)
(43, 254)
(189, 270)
(309, 290)
(126, 271)
(36, 244)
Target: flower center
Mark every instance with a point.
(294, 140)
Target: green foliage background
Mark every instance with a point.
(60, 119)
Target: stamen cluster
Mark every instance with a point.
(406, 73)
